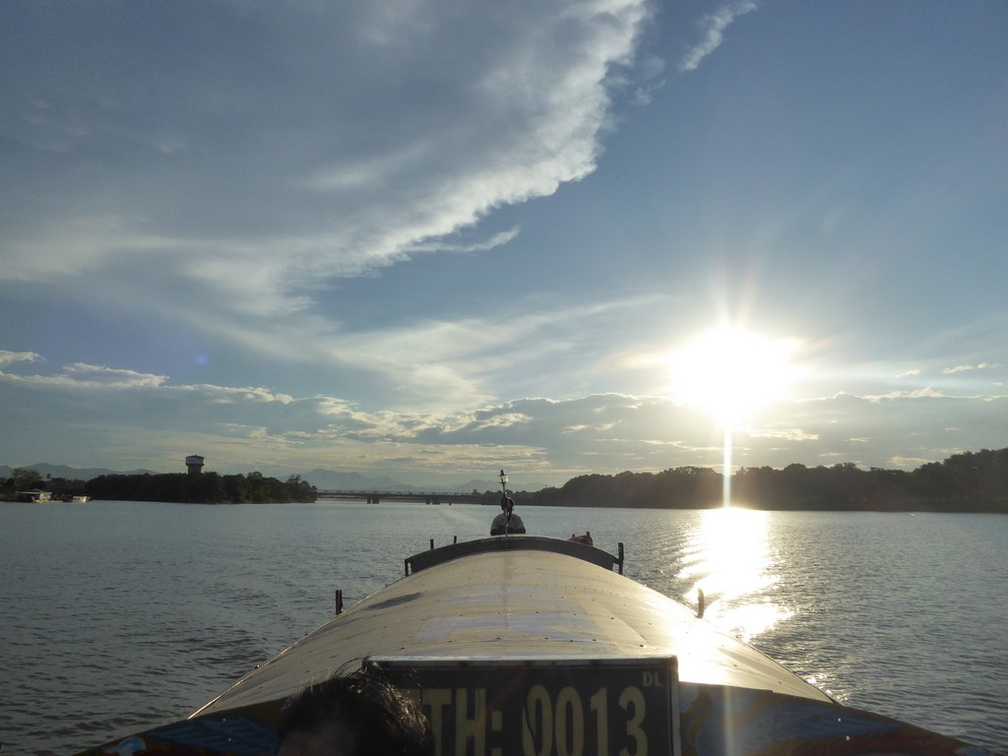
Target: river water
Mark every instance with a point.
(118, 616)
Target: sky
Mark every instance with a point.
(432, 239)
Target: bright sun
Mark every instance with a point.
(730, 372)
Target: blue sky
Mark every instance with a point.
(431, 239)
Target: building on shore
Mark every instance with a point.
(194, 463)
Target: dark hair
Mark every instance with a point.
(366, 712)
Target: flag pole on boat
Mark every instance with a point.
(507, 512)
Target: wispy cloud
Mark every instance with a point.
(230, 395)
(82, 376)
(921, 393)
(714, 25)
(790, 434)
(9, 358)
(497, 240)
(359, 170)
(968, 368)
(548, 438)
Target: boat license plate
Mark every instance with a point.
(545, 707)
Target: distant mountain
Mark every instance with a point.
(476, 485)
(332, 480)
(70, 473)
(494, 485)
(329, 480)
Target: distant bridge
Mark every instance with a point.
(433, 497)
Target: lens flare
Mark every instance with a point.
(730, 372)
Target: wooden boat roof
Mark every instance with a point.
(519, 600)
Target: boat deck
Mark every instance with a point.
(522, 644)
(503, 603)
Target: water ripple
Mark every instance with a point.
(117, 616)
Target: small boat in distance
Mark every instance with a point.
(35, 495)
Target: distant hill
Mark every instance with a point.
(477, 485)
(514, 484)
(70, 473)
(332, 480)
(326, 480)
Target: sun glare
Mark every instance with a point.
(728, 557)
(730, 372)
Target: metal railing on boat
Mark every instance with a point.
(584, 551)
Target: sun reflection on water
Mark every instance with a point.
(728, 557)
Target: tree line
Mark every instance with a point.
(205, 488)
(966, 482)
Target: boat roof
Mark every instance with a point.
(512, 598)
(576, 548)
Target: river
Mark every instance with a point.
(117, 616)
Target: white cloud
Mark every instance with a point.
(922, 393)
(260, 437)
(505, 420)
(905, 463)
(547, 438)
(968, 368)
(437, 365)
(714, 25)
(75, 244)
(81, 376)
(230, 395)
(790, 434)
(238, 191)
(9, 358)
(497, 240)
(230, 204)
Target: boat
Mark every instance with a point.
(36, 496)
(526, 644)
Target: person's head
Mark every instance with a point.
(356, 715)
(507, 504)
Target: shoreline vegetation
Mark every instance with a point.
(965, 482)
(204, 488)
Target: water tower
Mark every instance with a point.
(195, 464)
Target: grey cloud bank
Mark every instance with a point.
(242, 428)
